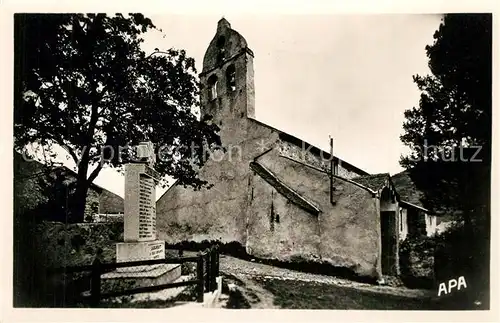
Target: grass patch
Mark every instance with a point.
(237, 300)
(290, 294)
(189, 294)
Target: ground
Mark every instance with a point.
(250, 284)
(255, 285)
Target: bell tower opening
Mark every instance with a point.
(231, 78)
(221, 42)
(212, 87)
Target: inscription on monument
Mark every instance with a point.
(157, 251)
(147, 218)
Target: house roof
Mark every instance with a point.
(44, 170)
(404, 186)
(374, 182)
(311, 148)
(407, 189)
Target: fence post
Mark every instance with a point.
(199, 274)
(213, 274)
(95, 283)
(208, 280)
(217, 261)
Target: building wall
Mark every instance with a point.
(91, 203)
(207, 214)
(110, 203)
(238, 206)
(389, 203)
(345, 234)
(430, 225)
(242, 207)
(278, 229)
(403, 224)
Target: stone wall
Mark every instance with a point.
(236, 208)
(277, 228)
(52, 245)
(345, 234)
(76, 244)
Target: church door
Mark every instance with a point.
(389, 242)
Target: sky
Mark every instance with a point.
(345, 76)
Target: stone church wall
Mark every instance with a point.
(238, 208)
(243, 207)
(208, 214)
(345, 234)
(278, 229)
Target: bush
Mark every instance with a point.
(45, 245)
(416, 261)
(458, 254)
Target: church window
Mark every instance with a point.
(212, 87)
(231, 78)
(221, 41)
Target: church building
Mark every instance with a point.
(278, 196)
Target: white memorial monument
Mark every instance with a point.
(139, 232)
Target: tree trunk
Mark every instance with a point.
(77, 203)
(78, 198)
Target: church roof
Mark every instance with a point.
(311, 148)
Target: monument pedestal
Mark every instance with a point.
(136, 251)
(140, 228)
(142, 276)
(147, 276)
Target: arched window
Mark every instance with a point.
(212, 87)
(231, 78)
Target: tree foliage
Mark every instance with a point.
(449, 133)
(83, 82)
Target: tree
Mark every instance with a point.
(449, 134)
(83, 82)
(454, 117)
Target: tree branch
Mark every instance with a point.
(94, 173)
(68, 149)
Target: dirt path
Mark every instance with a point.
(246, 270)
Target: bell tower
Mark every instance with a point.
(227, 81)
